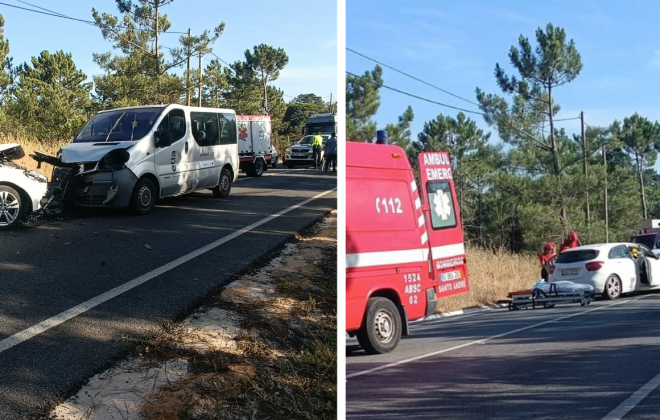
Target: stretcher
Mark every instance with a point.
(547, 295)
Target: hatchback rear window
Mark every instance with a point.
(576, 256)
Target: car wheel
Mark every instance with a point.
(224, 187)
(381, 330)
(12, 207)
(274, 163)
(612, 288)
(143, 198)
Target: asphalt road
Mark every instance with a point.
(63, 311)
(597, 362)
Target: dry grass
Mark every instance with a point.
(492, 275)
(30, 146)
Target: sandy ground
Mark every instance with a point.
(137, 388)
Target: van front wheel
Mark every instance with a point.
(381, 330)
(143, 198)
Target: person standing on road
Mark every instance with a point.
(545, 257)
(317, 143)
(330, 153)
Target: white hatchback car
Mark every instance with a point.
(610, 268)
(21, 190)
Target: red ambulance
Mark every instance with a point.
(404, 242)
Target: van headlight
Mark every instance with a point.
(35, 176)
(115, 159)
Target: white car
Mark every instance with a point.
(21, 190)
(273, 160)
(301, 153)
(610, 268)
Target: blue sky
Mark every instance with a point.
(283, 24)
(455, 45)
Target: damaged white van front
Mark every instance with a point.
(131, 157)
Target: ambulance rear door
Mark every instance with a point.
(443, 222)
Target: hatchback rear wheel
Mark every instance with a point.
(612, 288)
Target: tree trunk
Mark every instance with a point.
(556, 167)
(640, 175)
(265, 95)
(160, 98)
(480, 233)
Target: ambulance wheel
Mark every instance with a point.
(256, 169)
(143, 198)
(222, 190)
(12, 207)
(612, 288)
(381, 330)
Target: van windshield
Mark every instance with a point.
(120, 125)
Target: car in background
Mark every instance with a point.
(273, 152)
(610, 268)
(301, 153)
(21, 190)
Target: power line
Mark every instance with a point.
(422, 98)
(430, 84)
(411, 76)
(62, 16)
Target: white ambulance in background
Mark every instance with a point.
(254, 148)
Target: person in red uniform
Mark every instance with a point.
(570, 242)
(548, 253)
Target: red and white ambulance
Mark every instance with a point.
(404, 242)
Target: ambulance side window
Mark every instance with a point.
(441, 203)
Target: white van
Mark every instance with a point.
(131, 157)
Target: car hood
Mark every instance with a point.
(90, 152)
(11, 151)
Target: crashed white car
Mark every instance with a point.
(21, 190)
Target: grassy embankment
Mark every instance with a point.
(492, 275)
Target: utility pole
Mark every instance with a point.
(188, 73)
(607, 223)
(200, 79)
(586, 177)
(331, 102)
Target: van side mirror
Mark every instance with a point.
(163, 138)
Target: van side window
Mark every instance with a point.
(441, 203)
(227, 124)
(204, 128)
(175, 122)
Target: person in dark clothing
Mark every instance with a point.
(330, 153)
(545, 257)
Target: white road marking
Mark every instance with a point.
(484, 340)
(62, 317)
(255, 177)
(632, 401)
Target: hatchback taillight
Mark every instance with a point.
(551, 269)
(594, 265)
